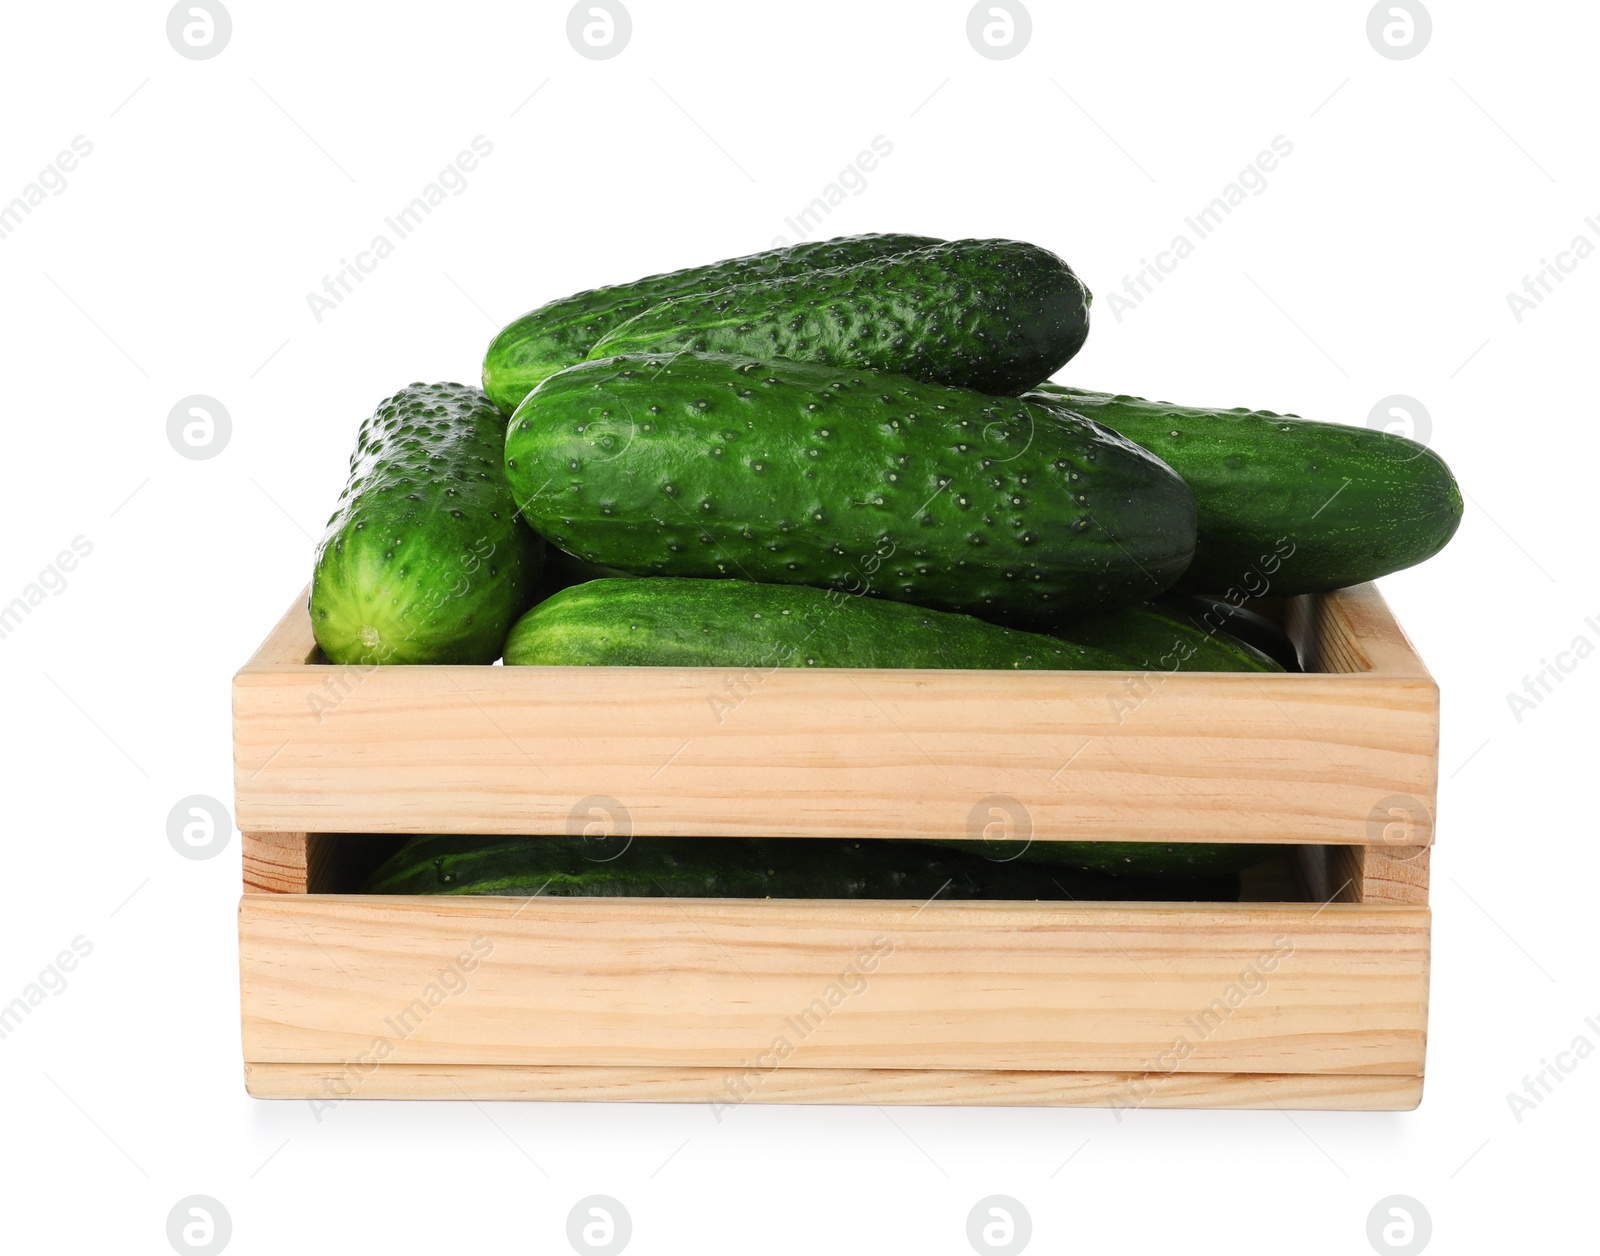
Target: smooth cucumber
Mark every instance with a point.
(747, 867)
(1153, 638)
(669, 621)
(1287, 505)
(795, 473)
(1213, 615)
(996, 316)
(562, 332)
(424, 559)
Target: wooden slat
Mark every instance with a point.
(275, 863)
(842, 753)
(1395, 874)
(1352, 631)
(310, 863)
(1323, 637)
(1328, 1092)
(1381, 874)
(707, 983)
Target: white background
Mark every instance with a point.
(178, 260)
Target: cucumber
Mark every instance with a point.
(424, 559)
(1128, 859)
(795, 473)
(667, 621)
(996, 316)
(749, 867)
(1288, 505)
(1213, 615)
(1155, 639)
(562, 332)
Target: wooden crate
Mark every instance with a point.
(1312, 1004)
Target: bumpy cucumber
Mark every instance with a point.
(1287, 505)
(1153, 638)
(996, 316)
(544, 340)
(746, 867)
(668, 621)
(795, 473)
(424, 560)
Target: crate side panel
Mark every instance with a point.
(699, 983)
(842, 753)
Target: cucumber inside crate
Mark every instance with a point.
(341, 863)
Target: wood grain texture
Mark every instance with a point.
(1034, 1088)
(276, 863)
(310, 863)
(652, 983)
(1351, 631)
(846, 753)
(1382, 874)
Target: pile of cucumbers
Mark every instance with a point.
(845, 453)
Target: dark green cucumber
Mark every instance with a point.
(1127, 859)
(425, 559)
(544, 340)
(1287, 505)
(794, 473)
(1155, 639)
(747, 867)
(1213, 615)
(996, 316)
(667, 621)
